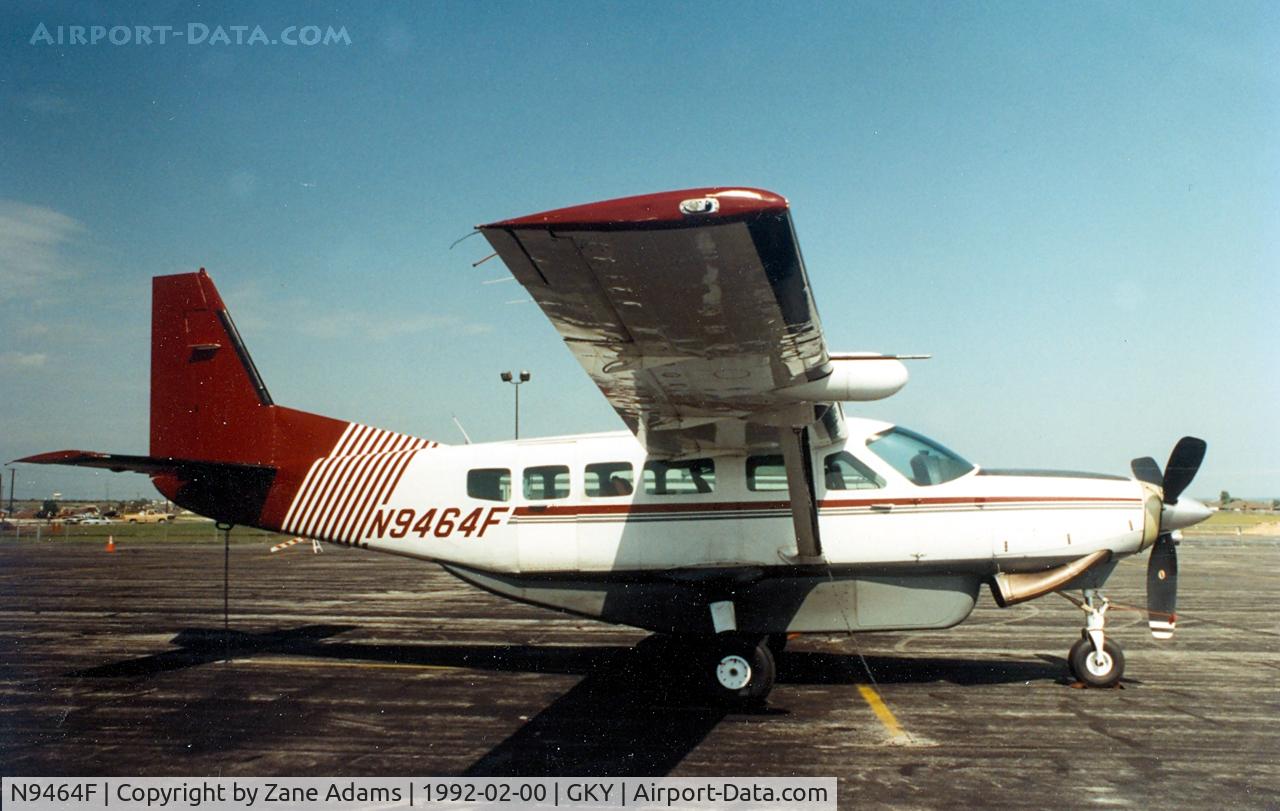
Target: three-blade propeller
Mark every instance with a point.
(1177, 512)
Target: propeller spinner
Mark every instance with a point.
(1177, 512)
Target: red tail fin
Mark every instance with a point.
(209, 404)
(207, 399)
(220, 447)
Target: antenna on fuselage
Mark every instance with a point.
(466, 438)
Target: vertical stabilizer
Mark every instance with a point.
(222, 448)
(208, 401)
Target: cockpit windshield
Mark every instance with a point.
(921, 460)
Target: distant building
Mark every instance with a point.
(1245, 506)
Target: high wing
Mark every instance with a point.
(692, 312)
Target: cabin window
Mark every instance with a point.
(679, 478)
(841, 471)
(766, 472)
(547, 481)
(922, 461)
(489, 483)
(609, 479)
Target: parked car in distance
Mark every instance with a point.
(148, 517)
(94, 519)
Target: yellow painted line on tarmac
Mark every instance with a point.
(340, 663)
(882, 711)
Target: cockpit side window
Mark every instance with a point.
(921, 460)
(842, 471)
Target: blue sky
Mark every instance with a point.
(1074, 207)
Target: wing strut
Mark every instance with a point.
(804, 504)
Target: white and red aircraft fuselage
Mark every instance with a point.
(740, 506)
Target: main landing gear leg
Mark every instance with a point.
(1094, 659)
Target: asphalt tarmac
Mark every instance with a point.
(352, 663)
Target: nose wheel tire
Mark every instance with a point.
(1096, 669)
(740, 670)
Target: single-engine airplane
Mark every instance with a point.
(740, 506)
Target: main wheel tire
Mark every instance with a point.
(1097, 671)
(740, 671)
(1074, 654)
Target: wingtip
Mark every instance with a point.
(662, 207)
(57, 457)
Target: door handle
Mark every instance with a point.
(881, 508)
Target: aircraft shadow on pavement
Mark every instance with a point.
(624, 719)
(199, 646)
(800, 667)
(632, 714)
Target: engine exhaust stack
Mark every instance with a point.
(1012, 588)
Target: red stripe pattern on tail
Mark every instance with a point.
(341, 491)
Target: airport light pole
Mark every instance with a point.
(508, 377)
(13, 474)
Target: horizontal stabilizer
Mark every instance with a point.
(118, 462)
(232, 492)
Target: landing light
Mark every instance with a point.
(699, 205)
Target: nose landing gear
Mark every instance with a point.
(1095, 660)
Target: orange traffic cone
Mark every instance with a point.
(111, 543)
